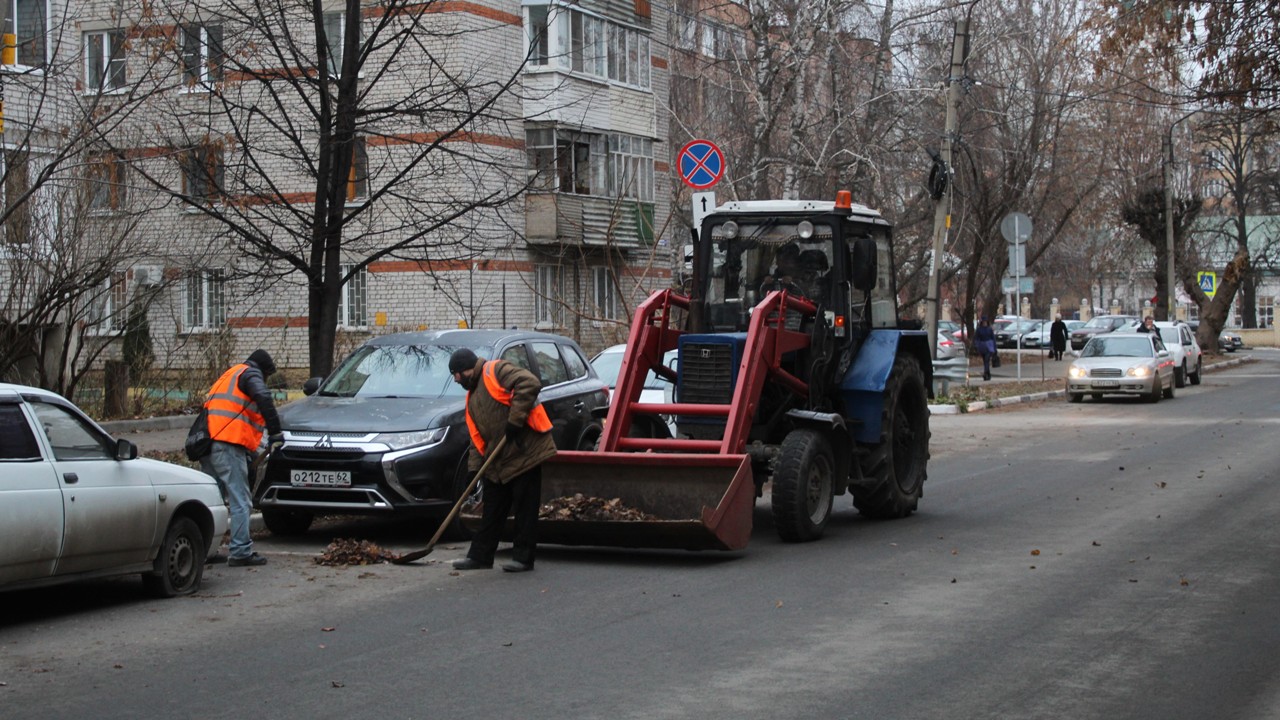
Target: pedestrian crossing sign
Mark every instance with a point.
(1208, 282)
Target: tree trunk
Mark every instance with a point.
(115, 389)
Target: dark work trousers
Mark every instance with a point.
(523, 494)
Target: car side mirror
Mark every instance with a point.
(311, 385)
(1076, 353)
(126, 450)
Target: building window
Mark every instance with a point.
(202, 56)
(578, 41)
(28, 21)
(18, 198)
(107, 312)
(605, 293)
(355, 298)
(631, 167)
(335, 33)
(549, 295)
(107, 188)
(203, 174)
(571, 162)
(104, 61)
(538, 38)
(358, 177)
(1266, 311)
(205, 307)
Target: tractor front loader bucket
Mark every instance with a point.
(697, 501)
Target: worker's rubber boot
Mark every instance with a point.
(469, 564)
(517, 566)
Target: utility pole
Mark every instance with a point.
(942, 189)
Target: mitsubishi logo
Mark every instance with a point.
(324, 443)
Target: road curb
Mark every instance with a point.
(980, 405)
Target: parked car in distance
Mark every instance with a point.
(1122, 363)
(76, 503)
(1098, 325)
(1180, 341)
(608, 363)
(949, 347)
(1041, 337)
(1230, 340)
(1010, 335)
(954, 329)
(385, 433)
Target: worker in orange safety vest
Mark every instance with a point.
(502, 401)
(240, 409)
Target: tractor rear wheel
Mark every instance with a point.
(897, 466)
(803, 486)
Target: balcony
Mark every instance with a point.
(564, 219)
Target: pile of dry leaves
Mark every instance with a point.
(344, 551)
(581, 507)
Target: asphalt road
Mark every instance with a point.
(1103, 560)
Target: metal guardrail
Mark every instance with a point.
(946, 372)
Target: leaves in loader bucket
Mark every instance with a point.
(345, 551)
(581, 507)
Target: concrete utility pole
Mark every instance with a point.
(942, 212)
(1171, 287)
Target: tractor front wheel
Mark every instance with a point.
(896, 467)
(803, 486)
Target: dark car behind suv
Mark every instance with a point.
(1098, 325)
(386, 431)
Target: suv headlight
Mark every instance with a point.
(413, 438)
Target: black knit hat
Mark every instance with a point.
(462, 359)
(263, 360)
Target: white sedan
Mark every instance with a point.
(76, 503)
(1122, 363)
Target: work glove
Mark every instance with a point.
(513, 432)
(275, 440)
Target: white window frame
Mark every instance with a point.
(571, 169)
(207, 53)
(16, 13)
(1266, 311)
(110, 73)
(107, 313)
(335, 23)
(204, 308)
(549, 298)
(354, 303)
(630, 167)
(581, 42)
(604, 293)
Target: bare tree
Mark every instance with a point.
(320, 141)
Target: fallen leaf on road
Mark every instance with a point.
(328, 629)
(778, 604)
(1161, 484)
(336, 683)
(1097, 544)
(1035, 552)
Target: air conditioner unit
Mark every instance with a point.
(147, 275)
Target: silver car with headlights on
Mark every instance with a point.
(1122, 363)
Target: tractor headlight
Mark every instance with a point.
(805, 229)
(729, 230)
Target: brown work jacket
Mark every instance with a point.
(491, 417)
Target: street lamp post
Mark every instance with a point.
(1171, 290)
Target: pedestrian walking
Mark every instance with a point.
(1058, 337)
(984, 339)
(240, 408)
(502, 401)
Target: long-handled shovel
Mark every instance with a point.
(419, 554)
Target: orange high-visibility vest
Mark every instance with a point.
(233, 415)
(538, 419)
